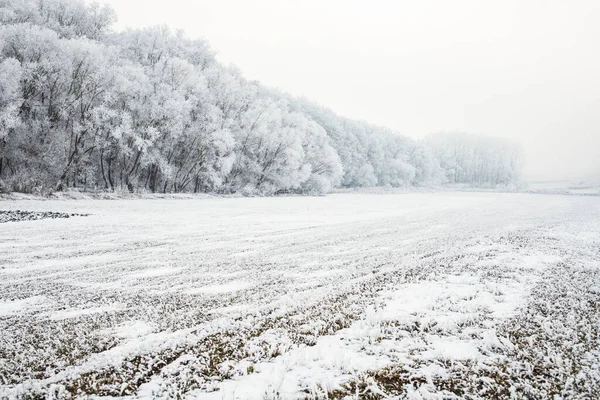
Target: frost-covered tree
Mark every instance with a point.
(10, 75)
(148, 110)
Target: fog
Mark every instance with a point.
(525, 70)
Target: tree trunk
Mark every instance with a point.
(102, 169)
(110, 179)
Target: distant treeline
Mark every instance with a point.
(148, 110)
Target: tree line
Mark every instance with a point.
(82, 106)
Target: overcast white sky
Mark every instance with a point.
(527, 70)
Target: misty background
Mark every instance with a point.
(524, 70)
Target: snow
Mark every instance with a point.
(133, 329)
(335, 359)
(149, 273)
(586, 187)
(252, 298)
(12, 307)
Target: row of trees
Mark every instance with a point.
(476, 160)
(147, 110)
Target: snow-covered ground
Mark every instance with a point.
(420, 295)
(584, 187)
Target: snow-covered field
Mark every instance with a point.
(584, 187)
(423, 295)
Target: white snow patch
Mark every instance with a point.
(133, 329)
(229, 287)
(12, 307)
(540, 260)
(448, 348)
(155, 272)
